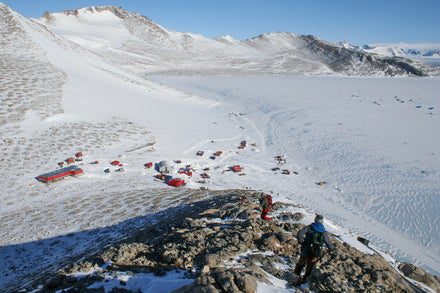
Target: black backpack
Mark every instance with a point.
(315, 243)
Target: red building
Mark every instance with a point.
(70, 160)
(60, 174)
(186, 172)
(176, 182)
(236, 168)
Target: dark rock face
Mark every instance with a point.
(225, 247)
(292, 217)
(54, 282)
(342, 59)
(350, 270)
(295, 54)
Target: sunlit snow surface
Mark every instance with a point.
(143, 282)
(378, 155)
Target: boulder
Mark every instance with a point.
(205, 270)
(198, 288)
(54, 282)
(271, 242)
(284, 237)
(418, 274)
(246, 283)
(295, 217)
(226, 281)
(212, 260)
(277, 205)
(205, 280)
(292, 278)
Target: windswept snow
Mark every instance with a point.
(424, 52)
(367, 138)
(81, 86)
(28, 81)
(138, 44)
(143, 282)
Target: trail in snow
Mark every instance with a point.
(382, 170)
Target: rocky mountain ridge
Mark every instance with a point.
(33, 82)
(222, 245)
(404, 50)
(173, 52)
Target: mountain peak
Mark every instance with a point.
(93, 9)
(227, 39)
(3, 5)
(110, 17)
(115, 10)
(273, 35)
(114, 27)
(348, 45)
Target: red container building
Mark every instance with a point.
(176, 182)
(60, 174)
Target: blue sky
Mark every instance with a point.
(356, 21)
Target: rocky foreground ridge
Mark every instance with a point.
(221, 245)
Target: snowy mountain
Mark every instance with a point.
(404, 50)
(423, 53)
(89, 80)
(115, 33)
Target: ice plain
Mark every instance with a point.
(373, 140)
(366, 137)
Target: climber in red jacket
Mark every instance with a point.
(266, 205)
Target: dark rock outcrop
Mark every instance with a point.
(416, 273)
(225, 247)
(341, 59)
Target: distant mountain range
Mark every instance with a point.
(405, 50)
(82, 80)
(423, 52)
(117, 35)
(136, 43)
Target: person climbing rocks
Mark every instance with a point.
(312, 238)
(266, 205)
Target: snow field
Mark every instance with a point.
(38, 238)
(378, 155)
(144, 282)
(29, 81)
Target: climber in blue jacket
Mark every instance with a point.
(312, 238)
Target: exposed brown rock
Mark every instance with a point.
(416, 273)
(232, 254)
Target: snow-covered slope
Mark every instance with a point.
(405, 50)
(373, 141)
(423, 53)
(24, 69)
(57, 98)
(75, 81)
(115, 33)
